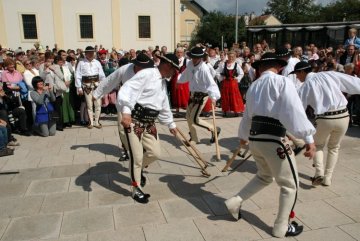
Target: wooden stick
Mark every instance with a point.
(215, 134)
(230, 161)
(197, 158)
(198, 154)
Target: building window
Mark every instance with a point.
(29, 26)
(144, 27)
(86, 27)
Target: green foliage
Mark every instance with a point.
(341, 10)
(216, 24)
(305, 11)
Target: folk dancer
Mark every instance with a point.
(88, 75)
(273, 107)
(143, 99)
(202, 86)
(285, 54)
(230, 73)
(115, 81)
(323, 92)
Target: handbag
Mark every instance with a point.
(44, 112)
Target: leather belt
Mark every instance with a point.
(266, 125)
(336, 112)
(90, 79)
(144, 114)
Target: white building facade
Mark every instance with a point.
(78, 23)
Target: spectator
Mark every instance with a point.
(43, 96)
(353, 39)
(4, 150)
(20, 57)
(349, 56)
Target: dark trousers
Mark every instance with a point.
(58, 112)
(4, 116)
(20, 114)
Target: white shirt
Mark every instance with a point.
(200, 79)
(275, 96)
(28, 76)
(213, 60)
(323, 91)
(148, 89)
(86, 68)
(289, 68)
(239, 71)
(114, 80)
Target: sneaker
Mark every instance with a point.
(143, 180)
(294, 229)
(234, 206)
(13, 143)
(316, 181)
(6, 152)
(139, 196)
(212, 139)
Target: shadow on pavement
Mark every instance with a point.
(104, 148)
(113, 169)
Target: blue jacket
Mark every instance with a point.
(356, 42)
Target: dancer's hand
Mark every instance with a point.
(126, 120)
(243, 142)
(310, 150)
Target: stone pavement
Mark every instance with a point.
(72, 187)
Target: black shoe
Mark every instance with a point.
(59, 128)
(124, 156)
(212, 140)
(139, 196)
(316, 181)
(206, 114)
(143, 180)
(6, 152)
(298, 149)
(83, 123)
(294, 229)
(25, 133)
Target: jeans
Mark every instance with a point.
(3, 137)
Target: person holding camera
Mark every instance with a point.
(42, 97)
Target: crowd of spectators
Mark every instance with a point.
(38, 94)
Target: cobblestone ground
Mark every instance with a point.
(72, 187)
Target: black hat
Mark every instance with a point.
(269, 58)
(123, 61)
(301, 66)
(196, 52)
(283, 52)
(89, 49)
(170, 58)
(142, 60)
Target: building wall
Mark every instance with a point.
(189, 18)
(13, 24)
(115, 22)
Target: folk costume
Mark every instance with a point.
(144, 96)
(115, 81)
(323, 92)
(202, 86)
(88, 76)
(180, 93)
(273, 107)
(230, 74)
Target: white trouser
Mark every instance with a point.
(90, 103)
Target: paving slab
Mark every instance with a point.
(13, 189)
(121, 234)
(175, 209)
(328, 234)
(225, 229)
(3, 225)
(56, 185)
(33, 227)
(349, 205)
(182, 230)
(70, 238)
(87, 220)
(28, 175)
(109, 198)
(352, 229)
(70, 171)
(61, 202)
(319, 214)
(149, 213)
(89, 183)
(17, 207)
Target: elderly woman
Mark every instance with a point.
(42, 97)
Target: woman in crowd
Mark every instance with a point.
(42, 97)
(230, 73)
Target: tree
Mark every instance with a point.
(341, 10)
(293, 11)
(214, 25)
